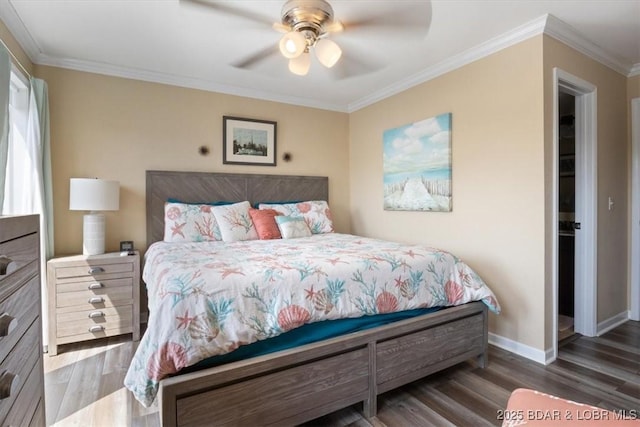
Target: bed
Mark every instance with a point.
(296, 384)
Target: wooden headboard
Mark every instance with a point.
(194, 187)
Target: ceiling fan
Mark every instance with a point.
(307, 25)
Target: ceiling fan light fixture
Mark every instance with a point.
(328, 52)
(292, 44)
(301, 64)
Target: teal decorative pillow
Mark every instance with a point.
(292, 227)
(316, 214)
(185, 222)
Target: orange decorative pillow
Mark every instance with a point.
(265, 223)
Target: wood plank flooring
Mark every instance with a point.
(83, 385)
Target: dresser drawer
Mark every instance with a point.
(93, 269)
(17, 254)
(19, 364)
(117, 320)
(27, 411)
(17, 313)
(96, 298)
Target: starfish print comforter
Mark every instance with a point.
(209, 298)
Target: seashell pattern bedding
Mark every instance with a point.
(209, 298)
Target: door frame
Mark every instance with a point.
(586, 171)
(635, 210)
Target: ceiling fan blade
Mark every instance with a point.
(352, 64)
(225, 7)
(334, 27)
(399, 19)
(256, 58)
(281, 28)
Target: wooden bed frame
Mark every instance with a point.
(297, 385)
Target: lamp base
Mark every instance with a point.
(93, 234)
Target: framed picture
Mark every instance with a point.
(417, 166)
(248, 141)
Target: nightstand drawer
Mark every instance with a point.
(93, 285)
(93, 269)
(17, 313)
(98, 298)
(103, 320)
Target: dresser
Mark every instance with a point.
(21, 372)
(93, 296)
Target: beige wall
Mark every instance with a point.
(116, 128)
(613, 176)
(497, 222)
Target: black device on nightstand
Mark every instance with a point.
(126, 247)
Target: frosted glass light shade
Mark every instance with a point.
(292, 44)
(300, 65)
(88, 194)
(328, 52)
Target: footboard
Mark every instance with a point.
(293, 386)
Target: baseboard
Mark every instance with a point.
(538, 356)
(612, 322)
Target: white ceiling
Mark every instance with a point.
(188, 44)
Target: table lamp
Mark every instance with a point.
(94, 195)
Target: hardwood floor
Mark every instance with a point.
(83, 385)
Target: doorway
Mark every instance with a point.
(583, 220)
(566, 213)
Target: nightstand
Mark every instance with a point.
(93, 296)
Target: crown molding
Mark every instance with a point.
(568, 35)
(517, 35)
(19, 31)
(547, 24)
(181, 81)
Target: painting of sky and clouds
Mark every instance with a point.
(417, 166)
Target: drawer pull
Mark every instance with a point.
(96, 285)
(95, 314)
(7, 324)
(7, 266)
(8, 381)
(96, 300)
(96, 328)
(94, 270)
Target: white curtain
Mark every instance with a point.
(28, 171)
(28, 182)
(5, 90)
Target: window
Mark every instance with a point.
(20, 176)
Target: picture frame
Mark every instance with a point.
(248, 141)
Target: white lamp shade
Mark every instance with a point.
(88, 194)
(328, 52)
(300, 65)
(292, 44)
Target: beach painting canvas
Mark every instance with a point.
(417, 166)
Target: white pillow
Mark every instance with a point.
(292, 227)
(235, 222)
(185, 222)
